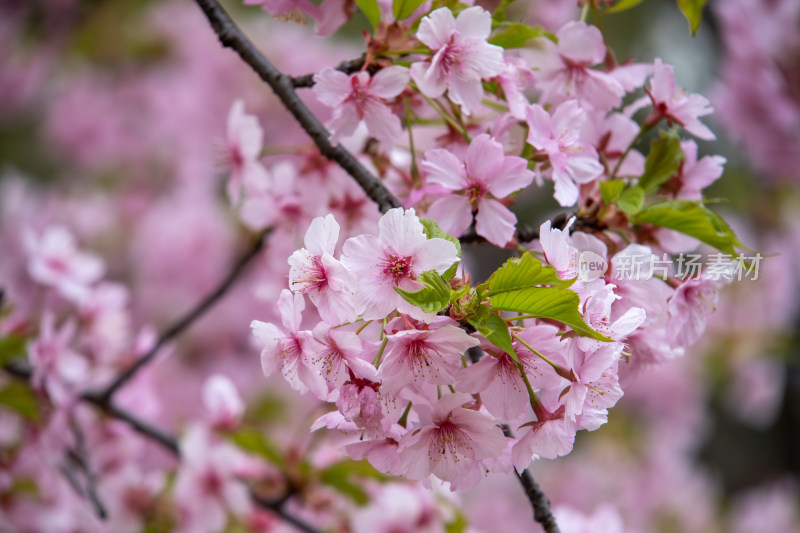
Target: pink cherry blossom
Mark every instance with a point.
(573, 162)
(451, 441)
(605, 518)
(395, 258)
(485, 177)
(515, 78)
(690, 305)
(462, 57)
(243, 146)
(57, 368)
(433, 356)
(290, 352)
(316, 272)
(360, 98)
(399, 508)
(207, 487)
(222, 402)
(329, 15)
(676, 104)
(547, 438)
(563, 69)
(336, 352)
(696, 174)
(55, 260)
(496, 377)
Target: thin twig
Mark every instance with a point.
(348, 67)
(232, 37)
(80, 457)
(104, 397)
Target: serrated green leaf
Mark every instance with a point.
(631, 200)
(432, 298)
(522, 272)
(547, 302)
(372, 10)
(610, 190)
(693, 219)
(404, 8)
(495, 329)
(693, 11)
(517, 35)
(254, 441)
(11, 347)
(663, 161)
(623, 5)
(18, 397)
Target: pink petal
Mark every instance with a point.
(389, 82)
(443, 168)
(435, 29)
(495, 222)
(452, 212)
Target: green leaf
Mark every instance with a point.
(11, 347)
(372, 10)
(495, 329)
(339, 476)
(522, 272)
(693, 219)
(693, 11)
(457, 525)
(610, 190)
(18, 397)
(517, 35)
(404, 8)
(254, 441)
(631, 200)
(433, 231)
(433, 297)
(547, 302)
(623, 5)
(663, 161)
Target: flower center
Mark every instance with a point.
(398, 268)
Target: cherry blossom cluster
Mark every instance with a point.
(421, 392)
(427, 370)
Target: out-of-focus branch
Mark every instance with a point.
(165, 440)
(348, 67)
(231, 36)
(103, 397)
(80, 457)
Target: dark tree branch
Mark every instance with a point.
(153, 433)
(535, 494)
(540, 503)
(103, 397)
(348, 67)
(232, 37)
